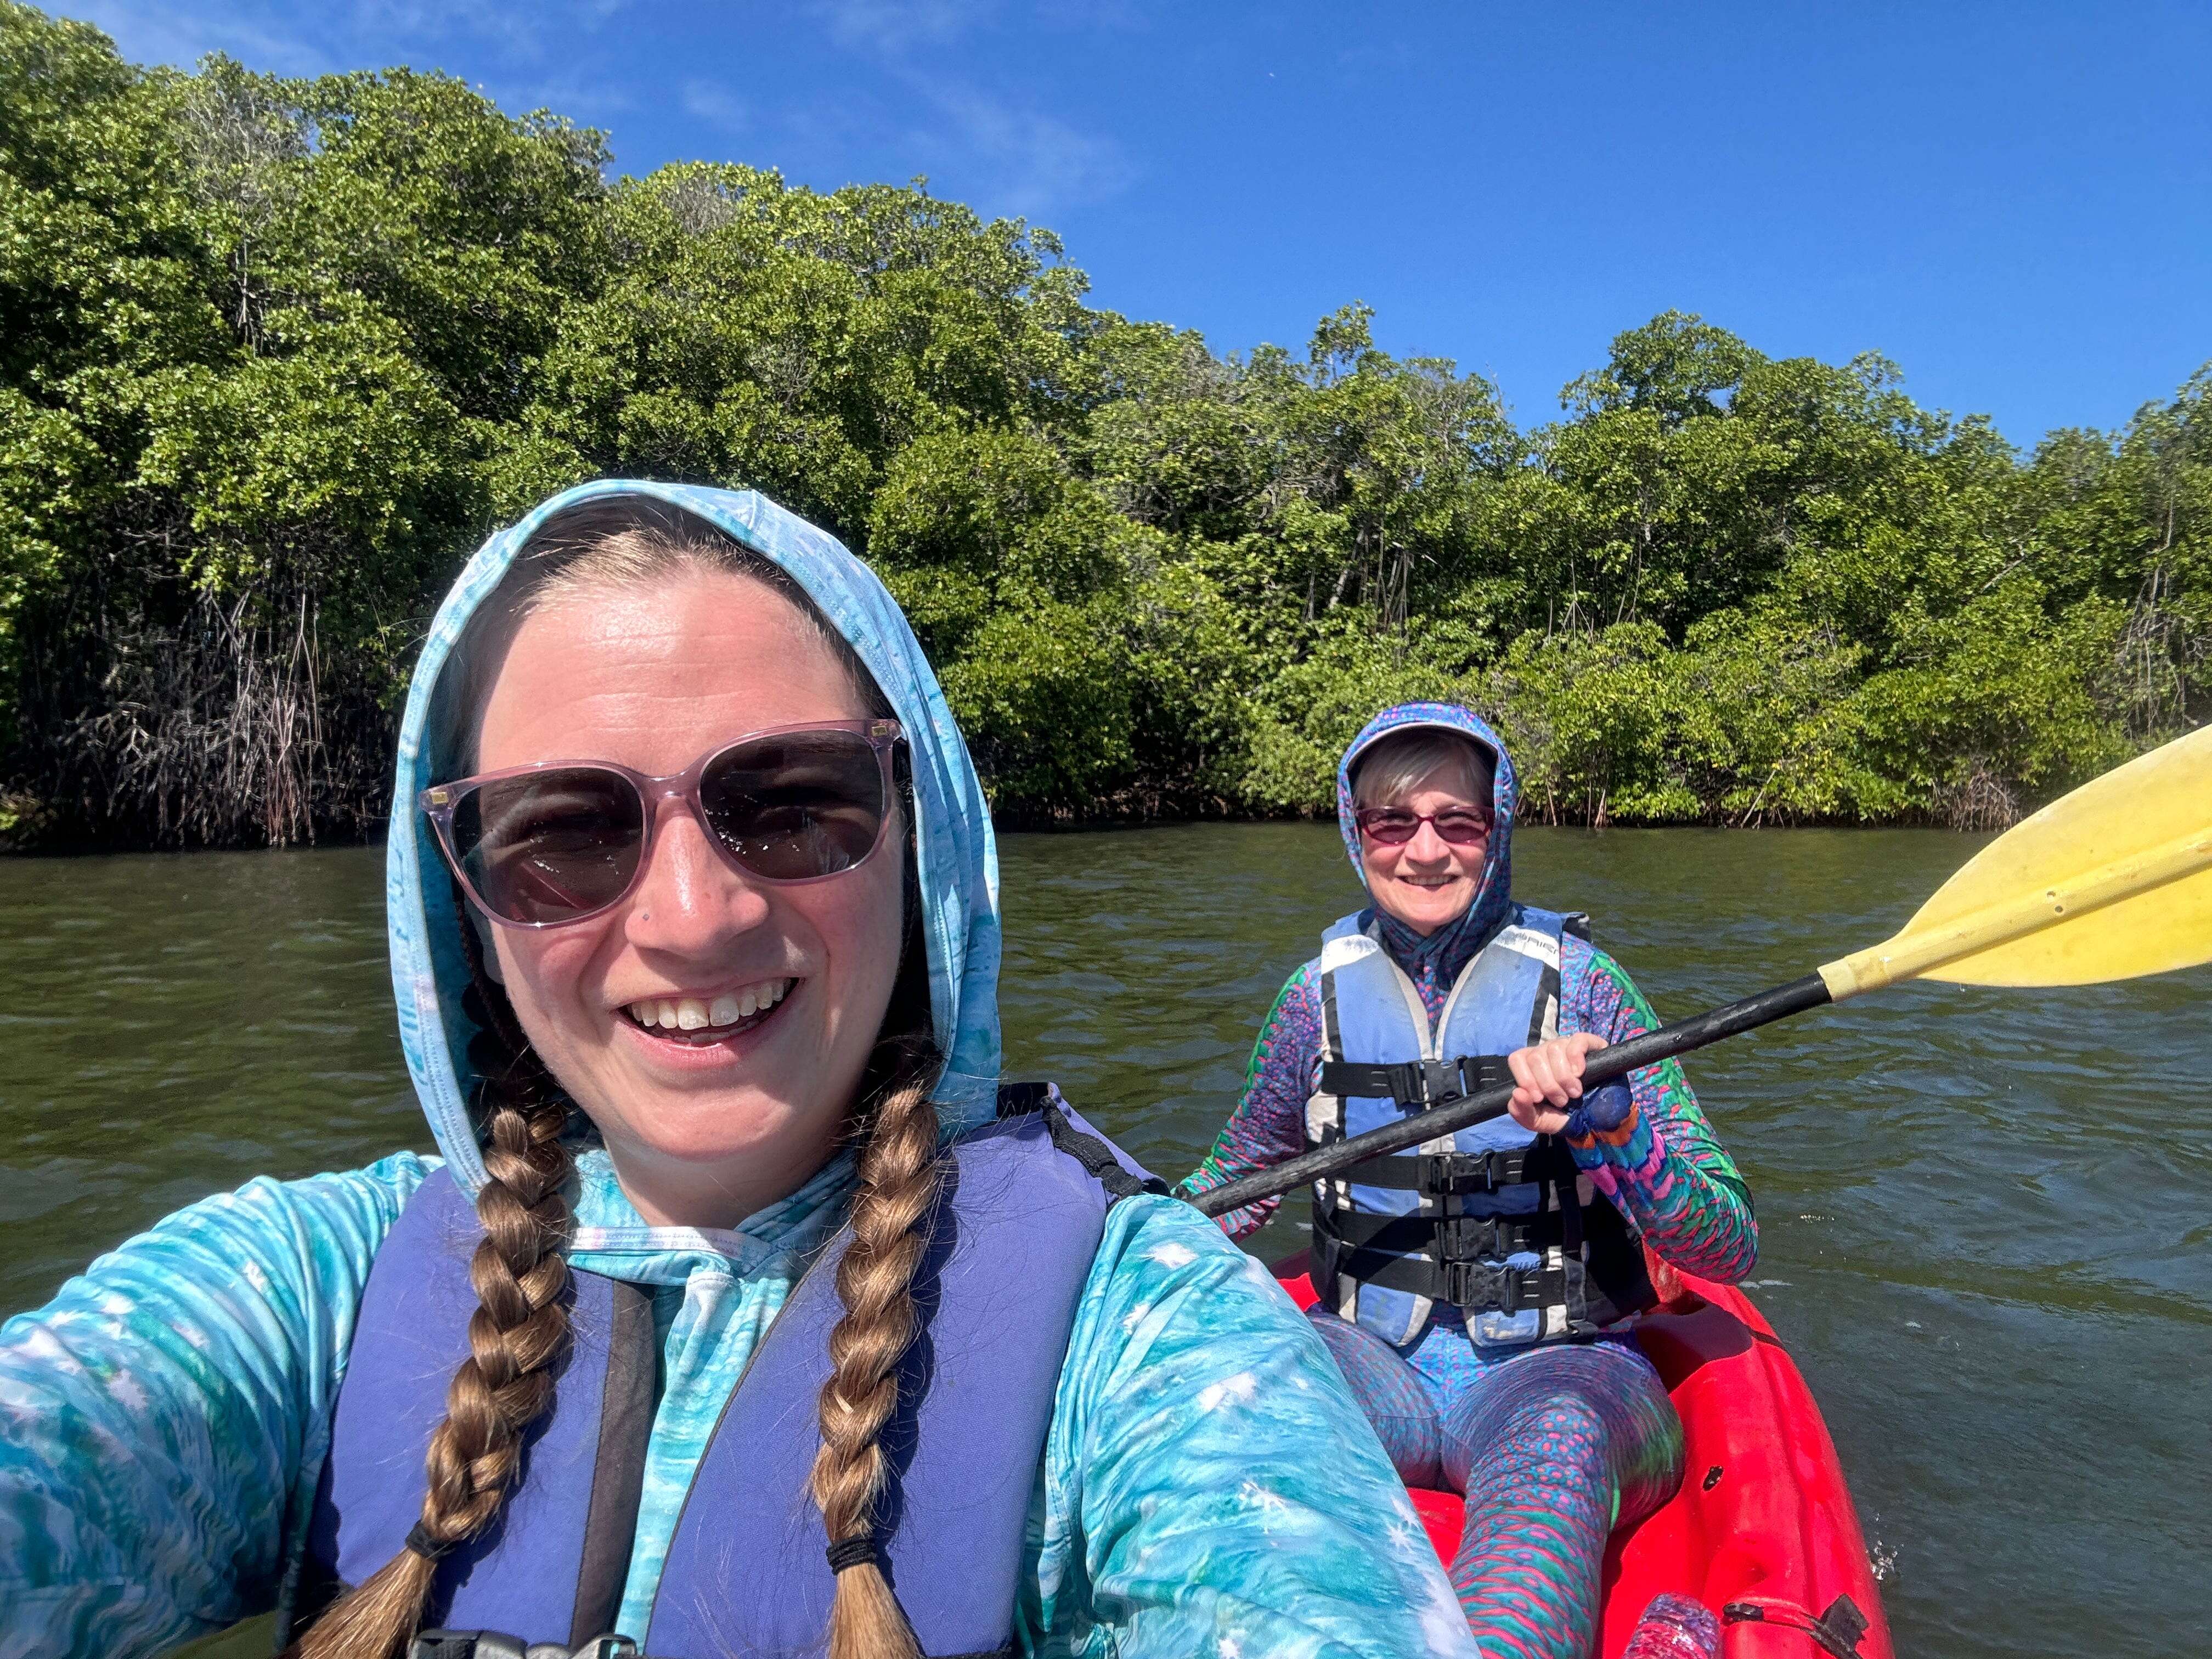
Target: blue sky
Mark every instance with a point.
(2012, 201)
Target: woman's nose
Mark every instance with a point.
(689, 898)
(1427, 847)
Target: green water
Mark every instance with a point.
(1986, 1232)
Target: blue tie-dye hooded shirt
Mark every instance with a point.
(1208, 1486)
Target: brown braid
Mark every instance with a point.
(519, 1328)
(899, 1172)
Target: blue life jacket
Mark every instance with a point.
(1495, 1220)
(1025, 1206)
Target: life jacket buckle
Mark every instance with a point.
(1471, 1238)
(1440, 1082)
(1472, 1285)
(1455, 1175)
(1510, 1281)
(1485, 1286)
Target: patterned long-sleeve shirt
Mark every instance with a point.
(163, 1422)
(1663, 1166)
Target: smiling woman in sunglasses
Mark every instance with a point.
(1476, 1295)
(746, 1310)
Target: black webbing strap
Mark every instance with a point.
(1443, 1238)
(1478, 1286)
(1455, 1175)
(1395, 1273)
(1509, 1290)
(1022, 1099)
(1569, 1213)
(626, 1406)
(1396, 1235)
(1416, 1085)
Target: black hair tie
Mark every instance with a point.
(420, 1541)
(852, 1551)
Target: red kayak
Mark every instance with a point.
(1763, 1531)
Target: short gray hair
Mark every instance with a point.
(1387, 773)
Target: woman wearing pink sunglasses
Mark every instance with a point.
(746, 1307)
(1477, 1293)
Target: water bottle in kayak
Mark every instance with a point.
(1675, 1627)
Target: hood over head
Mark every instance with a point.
(956, 863)
(1494, 893)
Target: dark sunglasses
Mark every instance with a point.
(562, 841)
(1394, 826)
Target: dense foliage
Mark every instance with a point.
(275, 354)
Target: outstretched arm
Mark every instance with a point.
(164, 1416)
(1269, 1123)
(1661, 1163)
(1210, 1486)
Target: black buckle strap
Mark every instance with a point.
(1456, 1175)
(1026, 1099)
(1444, 1238)
(1479, 1238)
(1393, 1272)
(1478, 1285)
(1096, 1157)
(1416, 1085)
(1375, 1239)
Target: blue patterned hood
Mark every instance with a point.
(1494, 895)
(956, 857)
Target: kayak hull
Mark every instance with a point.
(1763, 1530)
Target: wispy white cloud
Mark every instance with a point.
(1022, 159)
(916, 97)
(151, 32)
(1031, 162)
(1118, 14)
(589, 101)
(895, 25)
(706, 101)
(477, 38)
(535, 33)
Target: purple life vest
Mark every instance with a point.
(745, 1574)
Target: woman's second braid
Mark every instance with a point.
(520, 1326)
(898, 1176)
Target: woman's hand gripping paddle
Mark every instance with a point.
(2109, 881)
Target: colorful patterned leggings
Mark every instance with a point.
(1553, 1448)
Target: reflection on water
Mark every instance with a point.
(1983, 1213)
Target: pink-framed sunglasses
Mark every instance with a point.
(558, 841)
(1394, 826)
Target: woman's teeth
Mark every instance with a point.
(699, 1014)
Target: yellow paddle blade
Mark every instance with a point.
(2109, 881)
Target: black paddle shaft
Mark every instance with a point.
(1604, 1066)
